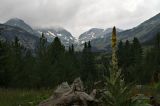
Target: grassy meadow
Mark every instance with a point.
(24, 97)
(17, 97)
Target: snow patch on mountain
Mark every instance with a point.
(95, 33)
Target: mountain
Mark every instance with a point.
(95, 33)
(15, 22)
(50, 33)
(145, 32)
(8, 33)
(90, 35)
(100, 38)
(97, 37)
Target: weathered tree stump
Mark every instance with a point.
(73, 95)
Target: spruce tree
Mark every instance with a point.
(72, 48)
(56, 50)
(88, 73)
(153, 58)
(157, 41)
(42, 48)
(43, 63)
(128, 54)
(136, 61)
(121, 54)
(137, 51)
(3, 71)
(15, 63)
(56, 56)
(29, 71)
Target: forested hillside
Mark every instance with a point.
(51, 64)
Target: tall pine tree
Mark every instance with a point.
(88, 73)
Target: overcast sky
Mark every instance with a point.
(78, 16)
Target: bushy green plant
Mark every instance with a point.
(117, 92)
(140, 100)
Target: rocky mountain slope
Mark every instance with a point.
(50, 33)
(95, 33)
(15, 22)
(145, 32)
(100, 38)
(8, 33)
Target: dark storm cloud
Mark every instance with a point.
(80, 15)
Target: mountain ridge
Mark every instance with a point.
(100, 38)
(145, 32)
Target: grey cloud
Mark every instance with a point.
(40, 11)
(79, 15)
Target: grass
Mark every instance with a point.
(17, 97)
(148, 91)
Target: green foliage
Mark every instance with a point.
(88, 71)
(157, 41)
(48, 66)
(52, 64)
(152, 62)
(130, 57)
(140, 100)
(14, 63)
(137, 51)
(3, 71)
(117, 92)
(55, 50)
